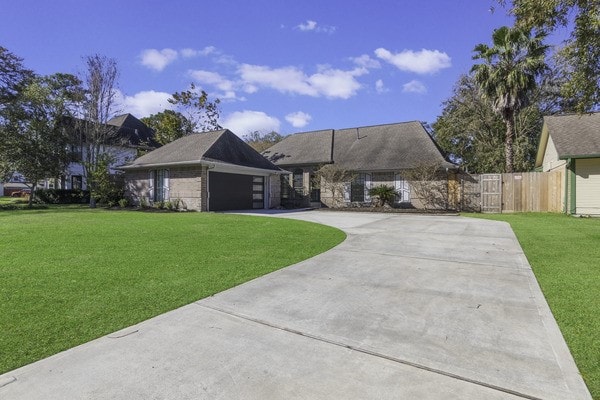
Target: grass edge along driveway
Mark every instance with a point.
(564, 253)
(68, 276)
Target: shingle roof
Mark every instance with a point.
(386, 147)
(302, 148)
(575, 135)
(371, 148)
(134, 131)
(217, 146)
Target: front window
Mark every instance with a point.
(315, 188)
(161, 185)
(357, 189)
(299, 182)
(76, 182)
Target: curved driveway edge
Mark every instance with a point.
(409, 306)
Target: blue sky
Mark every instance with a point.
(288, 66)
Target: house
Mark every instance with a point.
(211, 171)
(374, 155)
(571, 143)
(130, 136)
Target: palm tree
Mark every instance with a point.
(508, 75)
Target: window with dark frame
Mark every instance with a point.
(258, 192)
(315, 188)
(159, 184)
(298, 178)
(357, 189)
(76, 182)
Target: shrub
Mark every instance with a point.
(385, 194)
(63, 196)
(123, 203)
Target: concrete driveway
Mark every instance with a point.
(409, 306)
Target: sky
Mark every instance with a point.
(288, 66)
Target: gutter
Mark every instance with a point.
(209, 164)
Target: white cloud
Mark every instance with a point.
(158, 59)
(420, 62)
(212, 78)
(244, 122)
(308, 25)
(328, 82)
(144, 103)
(189, 53)
(380, 87)
(312, 26)
(366, 61)
(298, 119)
(414, 86)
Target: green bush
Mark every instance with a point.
(385, 193)
(62, 196)
(123, 203)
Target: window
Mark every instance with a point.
(299, 182)
(76, 182)
(402, 189)
(160, 184)
(357, 188)
(285, 186)
(315, 188)
(258, 192)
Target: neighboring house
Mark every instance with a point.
(571, 143)
(374, 155)
(131, 137)
(211, 171)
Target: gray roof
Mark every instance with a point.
(386, 147)
(575, 135)
(372, 148)
(302, 148)
(217, 146)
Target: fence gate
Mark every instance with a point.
(491, 193)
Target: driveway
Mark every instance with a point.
(409, 306)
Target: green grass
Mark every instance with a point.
(564, 253)
(71, 275)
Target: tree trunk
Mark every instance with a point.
(30, 203)
(508, 141)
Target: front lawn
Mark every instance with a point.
(564, 253)
(71, 275)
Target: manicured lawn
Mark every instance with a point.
(71, 275)
(564, 253)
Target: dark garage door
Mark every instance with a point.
(235, 191)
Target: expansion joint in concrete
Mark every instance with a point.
(371, 353)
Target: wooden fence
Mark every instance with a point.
(517, 192)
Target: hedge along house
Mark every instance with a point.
(212, 171)
(373, 156)
(571, 143)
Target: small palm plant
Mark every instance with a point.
(385, 194)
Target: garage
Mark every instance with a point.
(235, 191)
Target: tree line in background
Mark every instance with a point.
(493, 119)
(45, 119)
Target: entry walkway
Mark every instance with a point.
(409, 306)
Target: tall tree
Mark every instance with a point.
(35, 140)
(507, 77)
(168, 125)
(13, 78)
(580, 57)
(261, 142)
(99, 106)
(197, 108)
(472, 134)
